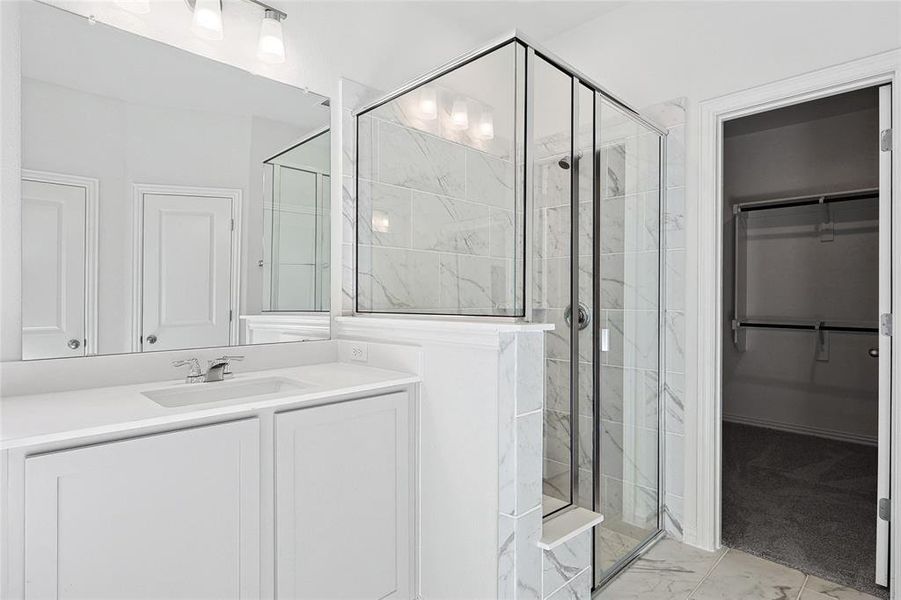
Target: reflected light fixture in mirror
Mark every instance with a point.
(428, 104)
(380, 222)
(485, 128)
(138, 7)
(271, 46)
(459, 115)
(207, 22)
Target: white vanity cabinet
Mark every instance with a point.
(173, 515)
(296, 499)
(344, 500)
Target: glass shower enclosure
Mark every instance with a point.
(509, 185)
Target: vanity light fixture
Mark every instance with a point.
(207, 22)
(428, 104)
(459, 115)
(485, 129)
(138, 7)
(271, 45)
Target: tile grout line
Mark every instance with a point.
(803, 585)
(707, 574)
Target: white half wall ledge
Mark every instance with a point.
(560, 529)
(474, 332)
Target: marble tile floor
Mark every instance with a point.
(674, 571)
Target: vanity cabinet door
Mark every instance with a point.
(344, 500)
(174, 515)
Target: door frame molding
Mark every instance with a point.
(137, 261)
(704, 266)
(91, 187)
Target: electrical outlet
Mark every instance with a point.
(359, 352)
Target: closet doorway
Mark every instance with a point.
(806, 261)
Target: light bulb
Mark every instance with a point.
(428, 104)
(485, 129)
(459, 115)
(138, 7)
(271, 45)
(207, 22)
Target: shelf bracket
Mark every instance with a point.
(827, 226)
(822, 343)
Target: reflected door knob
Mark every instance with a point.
(74, 344)
(151, 339)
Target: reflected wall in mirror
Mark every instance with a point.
(169, 201)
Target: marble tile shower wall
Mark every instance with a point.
(520, 373)
(674, 305)
(629, 258)
(352, 96)
(437, 222)
(551, 285)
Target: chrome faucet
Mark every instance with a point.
(220, 368)
(217, 369)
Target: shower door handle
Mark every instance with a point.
(873, 352)
(584, 316)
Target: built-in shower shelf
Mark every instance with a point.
(561, 528)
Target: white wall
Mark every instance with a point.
(825, 146)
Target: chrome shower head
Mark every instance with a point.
(565, 163)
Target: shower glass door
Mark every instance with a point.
(627, 361)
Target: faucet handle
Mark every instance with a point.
(194, 372)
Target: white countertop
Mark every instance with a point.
(61, 416)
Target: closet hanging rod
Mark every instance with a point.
(863, 194)
(810, 326)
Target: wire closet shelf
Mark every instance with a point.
(816, 325)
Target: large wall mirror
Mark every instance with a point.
(169, 201)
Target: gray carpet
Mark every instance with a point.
(805, 502)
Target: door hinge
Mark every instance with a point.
(885, 140)
(885, 509)
(886, 324)
(231, 315)
(233, 224)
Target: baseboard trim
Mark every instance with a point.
(803, 429)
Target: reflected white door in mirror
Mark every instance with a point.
(59, 266)
(186, 286)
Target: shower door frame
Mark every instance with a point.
(598, 92)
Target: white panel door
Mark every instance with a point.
(344, 500)
(53, 269)
(175, 515)
(187, 272)
(883, 488)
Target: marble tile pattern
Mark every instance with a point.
(674, 309)
(351, 96)
(446, 208)
(520, 376)
(563, 564)
(673, 571)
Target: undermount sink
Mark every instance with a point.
(201, 393)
